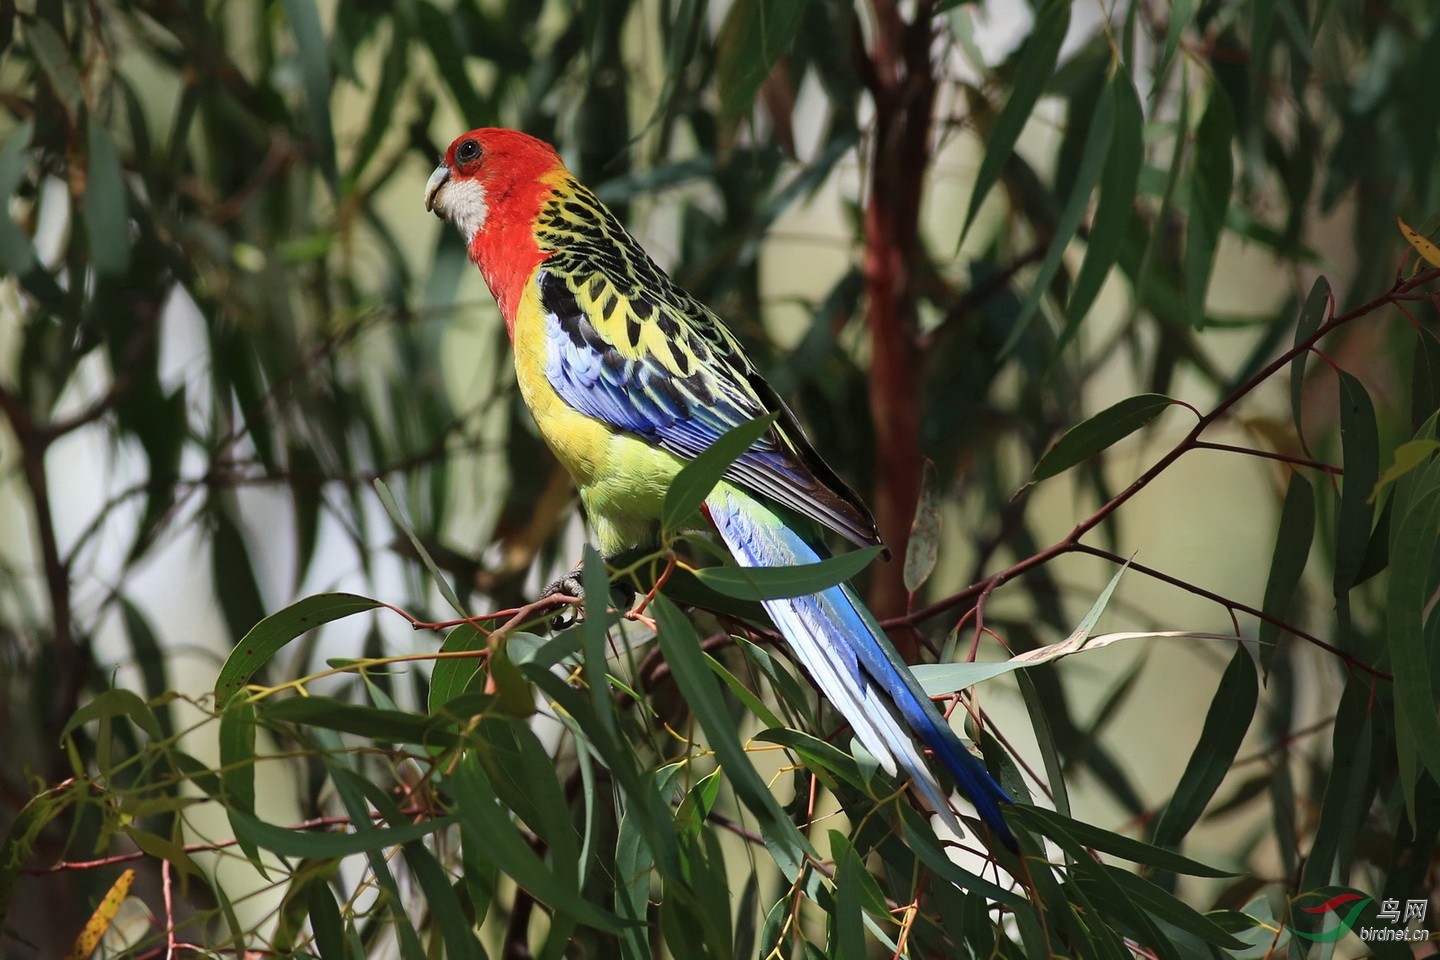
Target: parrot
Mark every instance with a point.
(628, 377)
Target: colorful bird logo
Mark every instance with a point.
(1346, 922)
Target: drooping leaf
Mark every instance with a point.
(682, 652)
(485, 822)
(698, 477)
(754, 36)
(1317, 304)
(302, 843)
(453, 676)
(1210, 185)
(1033, 67)
(1117, 199)
(1287, 561)
(1109, 426)
(769, 583)
(1413, 547)
(388, 726)
(392, 507)
(1360, 445)
(1091, 168)
(1224, 730)
(49, 50)
(103, 916)
(325, 922)
(268, 636)
(924, 545)
(106, 216)
(314, 53)
(1136, 851)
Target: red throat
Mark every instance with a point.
(519, 174)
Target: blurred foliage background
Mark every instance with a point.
(949, 233)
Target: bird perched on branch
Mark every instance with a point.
(628, 377)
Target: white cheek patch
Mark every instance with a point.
(462, 202)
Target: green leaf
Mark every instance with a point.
(1164, 906)
(394, 68)
(754, 36)
(439, 33)
(440, 899)
(268, 636)
(314, 54)
(484, 822)
(106, 217)
(1109, 426)
(301, 843)
(325, 922)
(359, 796)
(1360, 446)
(1092, 166)
(1108, 900)
(1413, 548)
(1056, 826)
(847, 927)
(681, 647)
(1117, 201)
(17, 255)
(237, 771)
(1033, 68)
(1181, 13)
(1424, 376)
(1287, 562)
(1317, 306)
(25, 830)
(387, 500)
(1226, 723)
(451, 677)
(771, 583)
(51, 53)
(387, 726)
(116, 703)
(743, 693)
(920, 838)
(235, 583)
(1349, 786)
(924, 546)
(1210, 183)
(523, 775)
(593, 630)
(695, 480)
(823, 758)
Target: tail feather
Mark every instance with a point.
(836, 639)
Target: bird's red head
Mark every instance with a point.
(491, 185)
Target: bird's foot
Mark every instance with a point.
(622, 597)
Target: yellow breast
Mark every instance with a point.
(622, 478)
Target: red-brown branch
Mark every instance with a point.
(976, 592)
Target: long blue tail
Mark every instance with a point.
(852, 661)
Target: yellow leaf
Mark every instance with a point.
(101, 919)
(1422, 245)
(1408, 456)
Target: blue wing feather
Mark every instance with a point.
(633, 389)
(856, 666)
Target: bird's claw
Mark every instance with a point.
(622, 597)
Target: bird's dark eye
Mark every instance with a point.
(467, 151)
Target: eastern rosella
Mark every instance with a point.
(628, 377)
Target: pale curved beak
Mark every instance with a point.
(438, 179)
